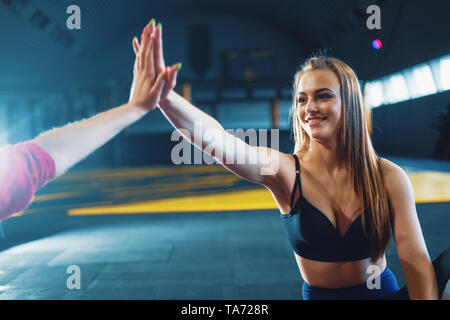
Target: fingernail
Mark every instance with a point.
(160, 25)
(135, 38)
(151, 22)
(179, 66)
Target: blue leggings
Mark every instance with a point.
(387, 289)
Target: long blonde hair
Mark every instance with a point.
(354, 147)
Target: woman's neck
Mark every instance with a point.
(325, 156)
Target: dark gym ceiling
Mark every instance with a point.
(33, 34)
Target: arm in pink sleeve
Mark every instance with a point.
(24, 168)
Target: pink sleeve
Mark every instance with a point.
(24, 168)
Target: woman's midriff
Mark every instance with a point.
(337, 274)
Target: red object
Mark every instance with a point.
(377, 44)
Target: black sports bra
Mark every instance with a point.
(314, 237)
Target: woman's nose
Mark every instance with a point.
(311, 106)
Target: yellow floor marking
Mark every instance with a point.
(136, 173)
(191, 184)
(61, 208)
(430, 186)
(18, 214)
(53, 196)
(255, 199)
(114, 185)
(427, 186)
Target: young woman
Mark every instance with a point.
(27, 166)
(338, 200)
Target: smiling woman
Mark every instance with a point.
(329, 90)
(338, 200)
(348, 187)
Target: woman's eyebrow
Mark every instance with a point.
(318, 90)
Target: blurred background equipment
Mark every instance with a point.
(248, 65)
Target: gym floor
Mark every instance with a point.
(191, 232)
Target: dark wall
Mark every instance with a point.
(405, 129)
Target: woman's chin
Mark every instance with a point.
(320, 136)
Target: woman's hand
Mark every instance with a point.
(211, 136)
(169, 73)
(72, 143)
(149, 75)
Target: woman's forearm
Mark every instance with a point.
(420, 279)
(192, 122)
(256, 164)
(72, 143)
(253, 163)
(28, 166)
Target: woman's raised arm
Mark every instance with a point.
(28, 166)
(73, 142)
(253, 163)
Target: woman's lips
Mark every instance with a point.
(314, 122)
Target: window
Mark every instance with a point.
(425, 79)
(444, 70)
(396, 89)
(373, 94)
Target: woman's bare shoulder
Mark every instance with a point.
(390, 168)
(395, 178)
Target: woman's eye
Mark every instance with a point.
(301, 100)
(325, 96)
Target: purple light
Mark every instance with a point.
(377, 44)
